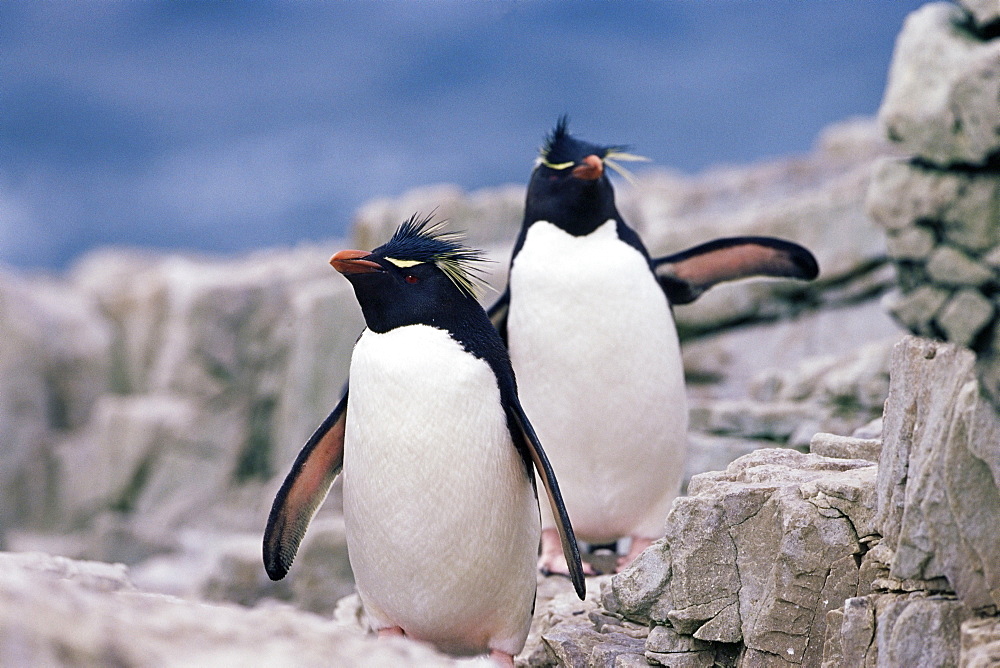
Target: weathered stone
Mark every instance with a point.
(985, 13)
(845, 447)
(760, 553)
(55, 363)
(920, 632)
(938, 498)
(916, 309)
(664, 639)
(55, 612)
(682, 660)
(858, 632)
(980, 644)
(911, 243)
(941, 101)
(950, 266)
(965, 315)
(912, 201)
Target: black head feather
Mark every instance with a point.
(420, 240)
(561, 147)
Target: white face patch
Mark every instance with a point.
(403, 264)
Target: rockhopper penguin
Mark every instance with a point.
(437, 456)
(587, 320)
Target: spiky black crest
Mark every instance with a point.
(421, 240)
(563, 150)
(561, 147)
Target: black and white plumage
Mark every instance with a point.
(587, 319)
(437, 457)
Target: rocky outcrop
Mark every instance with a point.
(939, 208)
(753, 559)
(787, 558)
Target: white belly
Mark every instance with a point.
(599, 373)
(442, 522)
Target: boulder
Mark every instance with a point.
(942, 99)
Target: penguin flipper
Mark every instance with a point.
(304, 490)
(498, 313)
(686, 275)
(570, 548)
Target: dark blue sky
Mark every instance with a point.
(224, 126)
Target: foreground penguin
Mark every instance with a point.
(438, 458)
(587, 320)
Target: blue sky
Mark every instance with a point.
(225, 126)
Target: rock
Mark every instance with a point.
(937, 481)
(949, 266)
(889, 629)
(489, 217)
(908, 198)
(55, 612)
(980, 646)
(941, 101)
(54, 365)
(985, 14)
(965, 315)
(758, 553)
(845, 447)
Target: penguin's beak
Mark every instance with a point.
(591, 169)
(354, 262)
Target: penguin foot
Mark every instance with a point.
(502, 658)
(390, 632)
(639, 544)
(552, 561)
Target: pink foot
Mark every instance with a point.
(502, 658)
(639, 544)
(390, 632)
(552, 561)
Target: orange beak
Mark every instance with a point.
(353, 262)
(591, 169)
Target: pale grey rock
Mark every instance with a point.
(912, 199)
(980, 644)
(59, 613)
(965, 315)
(916, 309)
(893, 629)
(845, 447)
(921, 633)
(938, 498)
(758, 553)
(941, 101)
(950, 266)
(789, 359)
(911, 243)
(489, 216)
(985, 13)
(55, 364)
(762, 420)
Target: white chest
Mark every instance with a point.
(598, 365)
(438, 506)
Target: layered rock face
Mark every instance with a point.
(940, 206)
(791, 559)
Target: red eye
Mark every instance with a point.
(410, 278)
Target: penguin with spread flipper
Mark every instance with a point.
(587, 319)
